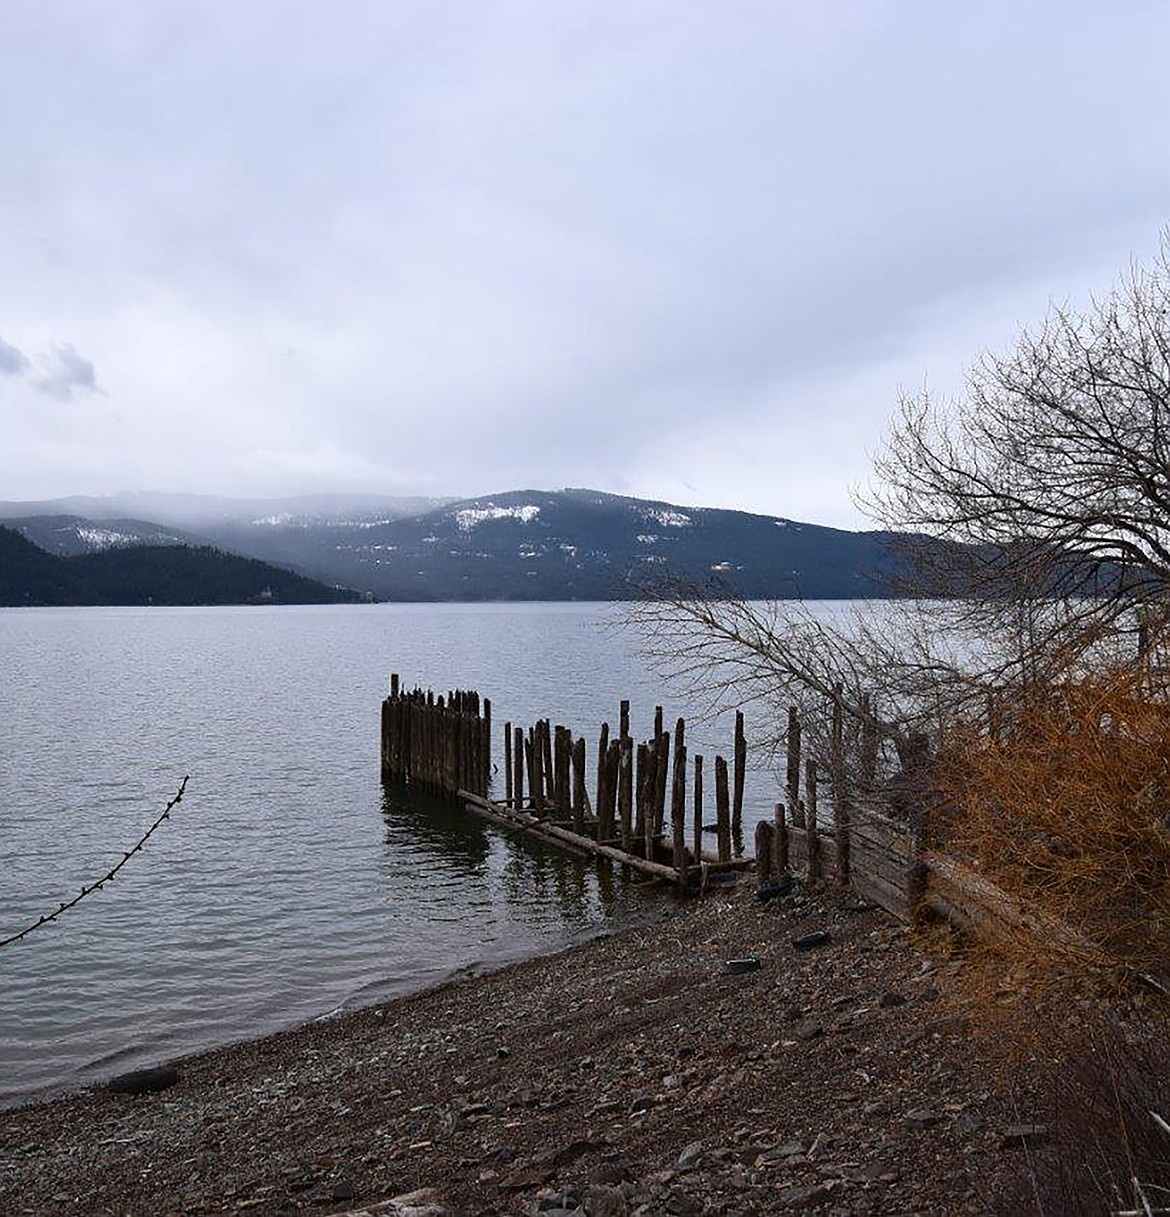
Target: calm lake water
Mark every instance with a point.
(288, 884)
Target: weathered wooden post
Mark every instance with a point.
(678, 805)
(661, 771)
(722, 809)
(740, 773)
(549, 771)
(780, 840)
(508, 764)
(624, 720)
(484, 744)
(641, 782)
(794, 767)
(536, 769)
(561, 770)
(602, 765)
(626, 787)
(764, 848)
(698, 812)
(613, 760)
(578, 755)
(518, 766)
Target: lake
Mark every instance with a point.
(288, 884)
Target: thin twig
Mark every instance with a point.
(110, 874)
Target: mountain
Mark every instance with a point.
(523, 545)
(583, 544)
(69, 535)
(175, 574)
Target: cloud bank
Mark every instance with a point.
(665, 248)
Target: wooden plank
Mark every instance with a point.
(889, 896)
(878, 832)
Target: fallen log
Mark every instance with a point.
(543, 828)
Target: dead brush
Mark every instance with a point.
(1067, 809)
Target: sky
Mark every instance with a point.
(689, 251)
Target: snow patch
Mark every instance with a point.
(107, 538)
(668, 518)
(467, 518)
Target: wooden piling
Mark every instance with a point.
(536, 769)
(608, 815)
(698, 811)
(577, 754)
(763, 852)
(793, 750)
(740, 774)
(548, 770)
(602, 763)
(561, 763)
(780, 841)
(517, 766)
(678, 803)
(626, 787)
(722, 809)
(661, 772)
(508, 764)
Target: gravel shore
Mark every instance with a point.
(628, 1075)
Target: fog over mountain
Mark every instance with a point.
(572, 544)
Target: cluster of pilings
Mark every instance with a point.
(437, 745)
(443, 746)
(546, 771)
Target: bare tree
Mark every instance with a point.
(1035, 517)
(1052, 473)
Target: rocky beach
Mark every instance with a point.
(633, 1074)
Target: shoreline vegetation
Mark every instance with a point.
(631, 1073)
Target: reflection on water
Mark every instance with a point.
(288, 883)
(533, 877)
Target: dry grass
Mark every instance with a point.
(1068, 809)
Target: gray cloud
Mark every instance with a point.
(64, 371)
(13, 362)
(657, 246)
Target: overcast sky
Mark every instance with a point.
(680, 250)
